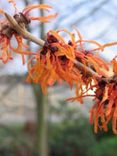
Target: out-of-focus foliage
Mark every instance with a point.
(8, 134)
(106, 147)
(14, 141)
(70, 138)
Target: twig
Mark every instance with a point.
(22, 31)
(92, 72)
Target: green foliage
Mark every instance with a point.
(71, 138)
(106, 147)
(8, 139)
(13, 141)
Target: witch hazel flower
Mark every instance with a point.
(105, 107)
(54, 62)
(7, 32)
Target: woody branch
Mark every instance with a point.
(25, 34)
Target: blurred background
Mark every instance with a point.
(35, 125)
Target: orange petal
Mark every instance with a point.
(44, 18)
(36, 6)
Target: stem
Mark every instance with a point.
(22, 31)
(92, 72)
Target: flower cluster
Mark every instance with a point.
(54, 62)
(105, 108)
(57, 61)
(6, 48)
(7, 32)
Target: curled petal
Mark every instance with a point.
(71, 35)
(38, 6)
(44, 18)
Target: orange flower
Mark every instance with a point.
(105, 108)
(54, 62)
(6, 48)
(7, 32)
(58, 57)
(24, 17)
(29, 8)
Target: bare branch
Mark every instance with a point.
(92, 72)
(41, 42)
